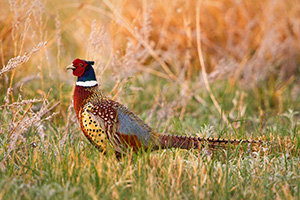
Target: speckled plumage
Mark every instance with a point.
(106, 122)
(97, 115)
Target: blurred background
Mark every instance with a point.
(212, 68)
(148, 58)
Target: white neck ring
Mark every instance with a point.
(86, 83)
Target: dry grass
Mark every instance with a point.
(180, 65)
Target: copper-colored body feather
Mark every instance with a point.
(106, 122)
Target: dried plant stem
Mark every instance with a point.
(27, 110)
(1, 52)
(41, 73)
(27, 24)
(115, 87)
(10, 85)
(52, 107)
(154, 72)
(14, 70)
(165, 24)
(201, 60)
(137, 36)
(58, 35)
(188, 32)
(64, 25)
(107, 63)
(239, 70)
(117, 94)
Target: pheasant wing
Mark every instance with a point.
(131, 129)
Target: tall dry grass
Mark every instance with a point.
(243, 41)
(160, 59)
(246, 39)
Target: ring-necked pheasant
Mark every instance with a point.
(104, 121)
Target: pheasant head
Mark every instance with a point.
(84, 71)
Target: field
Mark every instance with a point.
(226, 68)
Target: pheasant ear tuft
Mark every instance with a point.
(90, 62)
(79, 66)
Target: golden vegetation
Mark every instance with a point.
(237, 59)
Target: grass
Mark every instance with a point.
(148, 58)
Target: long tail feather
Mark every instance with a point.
(191, 142)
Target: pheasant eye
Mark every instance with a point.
(80, 64)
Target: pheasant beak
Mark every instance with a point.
(70, 67)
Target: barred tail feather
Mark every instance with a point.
(191, 142)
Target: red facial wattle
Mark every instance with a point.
(80, 67)
(78, 71)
